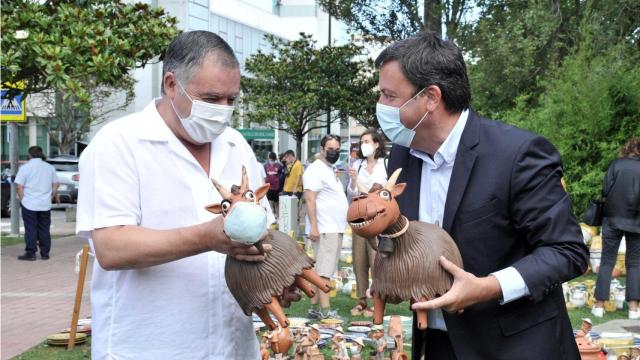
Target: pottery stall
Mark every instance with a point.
(312, 341)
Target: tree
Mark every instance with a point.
(75, 46)
(385, 21)
(291, 88)
(589, 105)
(68, 123)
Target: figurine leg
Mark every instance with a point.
(313, 277)
(275, 308)
(421, 315)
(266, 319)
(378, 309)
(302, 284)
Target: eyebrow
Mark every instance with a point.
(213, 94)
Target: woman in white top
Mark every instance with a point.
(368, 170)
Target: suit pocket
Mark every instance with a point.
(526, 316)
(478, 213)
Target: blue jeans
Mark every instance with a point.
(36, 231)
(611, 238)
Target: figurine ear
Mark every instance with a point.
(261, 191)
(215, 208)
(398, 189)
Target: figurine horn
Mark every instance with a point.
(245, 181)
(361, 188)
(223, 192)
(392, 179)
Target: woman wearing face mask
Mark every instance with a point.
(369, 169)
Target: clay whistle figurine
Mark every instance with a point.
(257, 286)
(406, 267)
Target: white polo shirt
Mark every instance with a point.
(38, 178)
(331, 201)
(136, 172)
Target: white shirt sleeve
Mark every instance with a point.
(54, 175)
(311, 180)
(20, 176)
(109, 191)
(512, 284)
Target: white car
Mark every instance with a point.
(68, 176)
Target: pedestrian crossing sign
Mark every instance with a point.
(13, 109)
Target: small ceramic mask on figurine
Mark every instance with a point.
(246, 222)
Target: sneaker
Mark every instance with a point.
(597, 311)
(332, 314)
(634, 314)
(27, 257)
(44, 257)
(315, 314)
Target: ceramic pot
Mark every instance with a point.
(587, 349)
(281, 340)
(578, 297)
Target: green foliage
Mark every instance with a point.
(291, 88)
(74, 46)
(588, 107)
(384, 21)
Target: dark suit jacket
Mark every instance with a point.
(506, 207)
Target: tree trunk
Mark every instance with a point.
(299, 148)
(433, 16)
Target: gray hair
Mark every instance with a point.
(427, 60)
(188, 50)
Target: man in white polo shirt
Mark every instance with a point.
(36, 185)
(158, 289)
(326, 217)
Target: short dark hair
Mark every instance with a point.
(427, 60)
(272, 156)
(328, 137)
(289, 152)
(377, 138)
(188, 50)
(36, 152)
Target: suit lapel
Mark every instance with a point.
(465, 158)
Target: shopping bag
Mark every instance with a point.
(593, 213)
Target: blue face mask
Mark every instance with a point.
(389, 120)
(246, 223)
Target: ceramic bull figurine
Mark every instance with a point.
(256, 286)
(406, 266)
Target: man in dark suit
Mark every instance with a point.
(496, 190)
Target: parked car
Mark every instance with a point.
(68, 176)
(5, 206)
(5, 197)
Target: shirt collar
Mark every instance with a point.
(447, 151)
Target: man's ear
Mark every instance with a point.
(433, 96)
(215, 208)
(398, 189)
(170, 84)
(261, 191)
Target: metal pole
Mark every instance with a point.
(12, 128)
(329, 44)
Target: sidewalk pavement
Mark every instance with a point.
(38, 296)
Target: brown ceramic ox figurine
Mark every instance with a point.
(256, 286)
(406, 266)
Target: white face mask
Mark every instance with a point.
(367, 149)
(389, 120)
(206, 121)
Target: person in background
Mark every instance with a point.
(621, 216)
(369, 169)
(326, 218)
(37, 185)
(354, 150)
(293, 179)
(273, 169)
